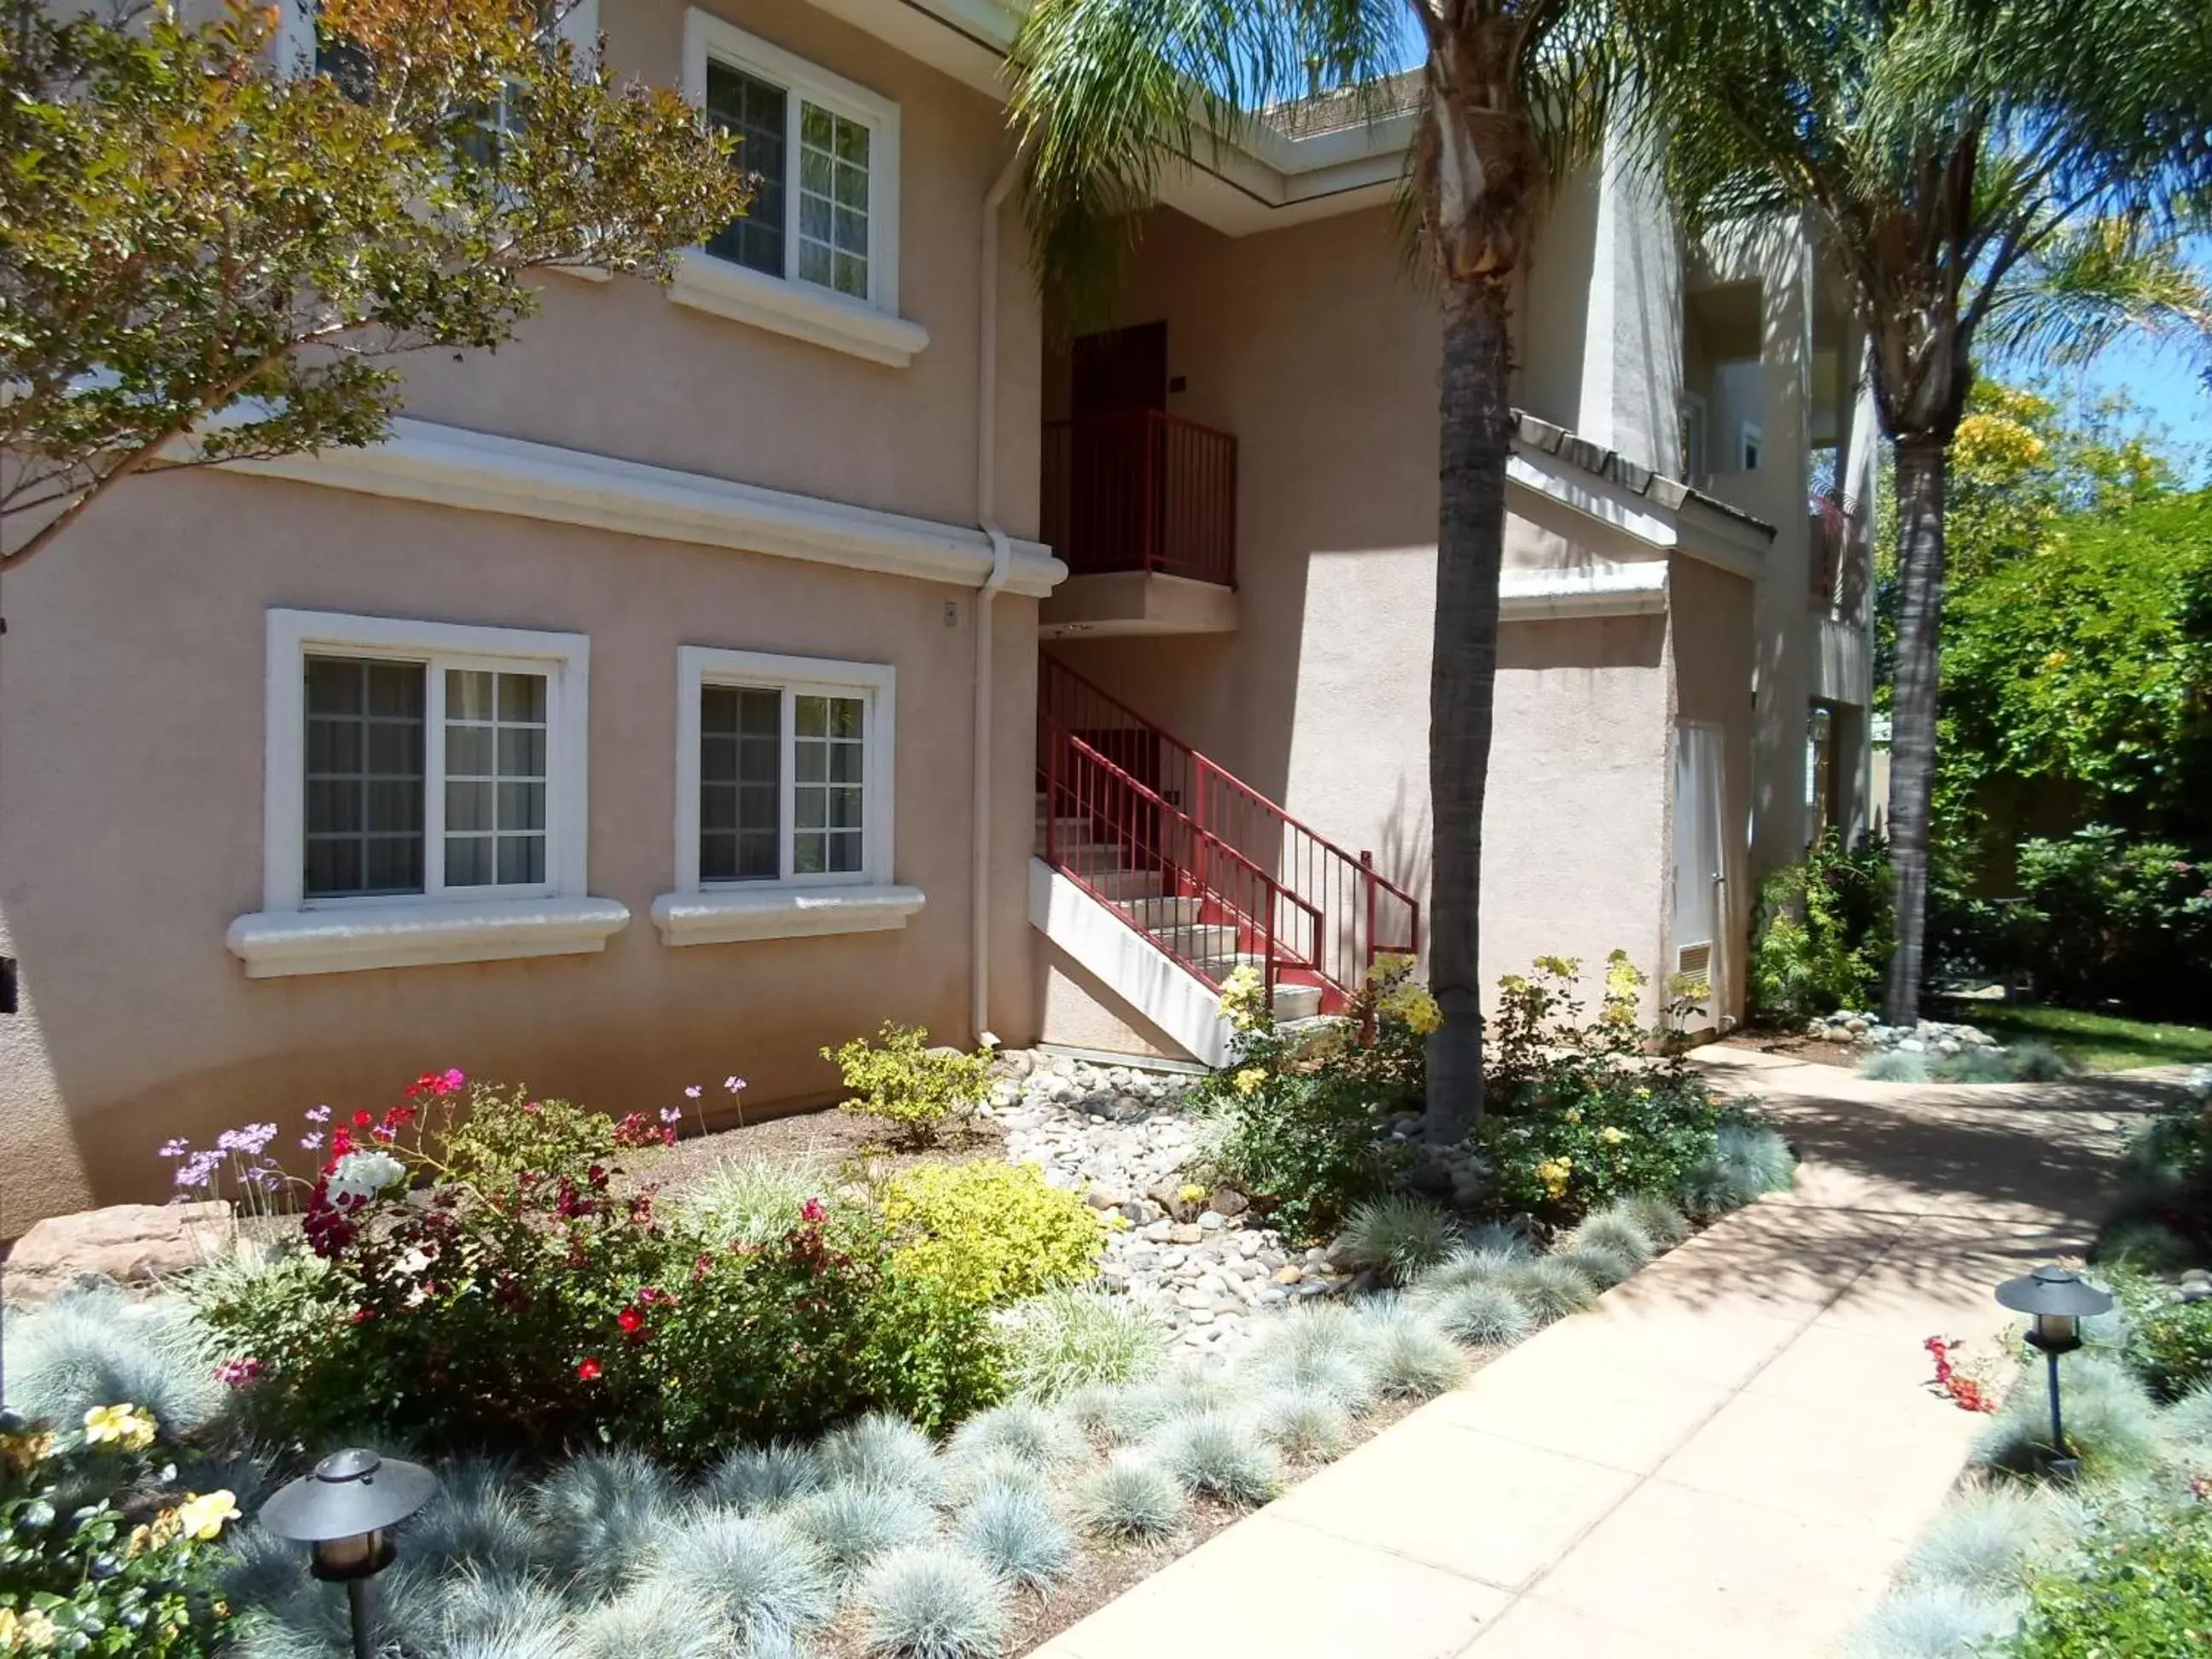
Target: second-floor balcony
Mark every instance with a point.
(1140, 490)
(1839, 567)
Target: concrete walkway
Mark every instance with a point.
(1729, 1455)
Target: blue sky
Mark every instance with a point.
(2170, 389)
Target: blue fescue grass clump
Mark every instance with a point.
(763, 1581)
(663, 1620)
(882, 1450)
(749, 1200)
(967, 1479)
(1305, 1424)
(1221, 1455)
(755, 1479)
(478, 1520)
(849, 1524)
(600, 1516)
(1069, 1341)
(1748, 1160)
(925, 1603)
(1482, 1314)
(1990, 1541)
(1023, 1430)
(1974, 1066)
(1604, 1267)
(1131, 1499)
(1894, 1066)
(1407, 1356)
(2188, 1421)
(1321, 1346)
(1665, 1226)
(97, 1346)
(1614, 1228)
(1931, 1621)
(1475, 1265)
(2110, 1422)
(2035, 1061)
(1550, 1288)
(480, 1612)
(1015, 1532)
(1398, 1236)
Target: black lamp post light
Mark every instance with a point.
(343, 1511)
(2056, 1301)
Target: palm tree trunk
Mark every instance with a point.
(1922, 466)
(1477, 423)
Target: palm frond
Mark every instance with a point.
(2086, 287)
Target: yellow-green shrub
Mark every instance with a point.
(989, 1231)
(902, 1079)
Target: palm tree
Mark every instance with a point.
(1510, 94)
(1970, 163)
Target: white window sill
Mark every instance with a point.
(726, 915)
(804, 312)
(412, 934)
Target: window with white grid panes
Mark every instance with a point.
(824, 155)
(783, 783)
(423, 777)
(495, 779)
(833, 201)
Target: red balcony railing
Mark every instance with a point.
(1839, 568)
(1141, 490)
(1134, 814)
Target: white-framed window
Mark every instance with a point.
(413, 760)
(1751, 443)
(425, 796)
(294, 47)
(785, 771)
(825, 154)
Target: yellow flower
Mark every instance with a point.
(1193, 1192)
(28, 1631)
(1611, 1136)
(1554, 1172)
(1250, 1078)
(1574, 1113)
(1390, 967)
(203, 1518)
(1244, 1000)
(122, 1425)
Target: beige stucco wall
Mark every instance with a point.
(131, 691)
(1315, 348)
(1710, 650)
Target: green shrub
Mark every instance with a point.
(1581, 1115)
(2168, 1341)
(1821, 939)
(1298, 1120)
(2165, 1176)
(560, 1310)
(991, 1232)
(1071, 1340)
(2146, 1594)
(100, 1550)
(900, 1079)
(494, 1133)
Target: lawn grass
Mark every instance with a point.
(2097, 1042)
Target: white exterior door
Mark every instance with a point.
(1697, 943)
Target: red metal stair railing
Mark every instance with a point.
(1141, 490)
(1203, 903)
(1208, 836)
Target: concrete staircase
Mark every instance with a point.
(1172, 921)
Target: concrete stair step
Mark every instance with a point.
(1197, 939)
(1116, 884)
(1156, 912)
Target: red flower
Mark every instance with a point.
(362, 1120)
(398, 1117)
(812, 1210)
(363, 1315)
(631, 1321)
(588, 1372)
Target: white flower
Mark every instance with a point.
(364, 1175)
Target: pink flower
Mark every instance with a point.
(812, 1211)
(733, 1083)
(237, 1373)
(692, 1093)
(672, 1115)
(311, 1141)
(318, 1114)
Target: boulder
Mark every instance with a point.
(124, 1242)
(1228, 1202)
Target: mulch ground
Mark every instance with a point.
(1810, 1050)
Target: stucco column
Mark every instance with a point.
(1787, 630)
(1861, 478)
(1631, 368)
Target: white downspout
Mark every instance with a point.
(986, 489)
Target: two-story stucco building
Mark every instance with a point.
(682, 688)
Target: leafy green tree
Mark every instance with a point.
(2004, 174)
(1510, 95)
(209, 255)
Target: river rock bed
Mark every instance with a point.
(1118, 1135)
(1932, 1037)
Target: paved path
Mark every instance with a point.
(1728, 1456)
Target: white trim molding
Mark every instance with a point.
(793, 905)
(783, 306)
(783, 301)
(1584, 590)
(1134, 967)
(483, 472)
(420, 932)
(725, 916)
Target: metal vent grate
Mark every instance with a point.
(1693, 969)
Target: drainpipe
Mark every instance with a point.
(986, 488)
